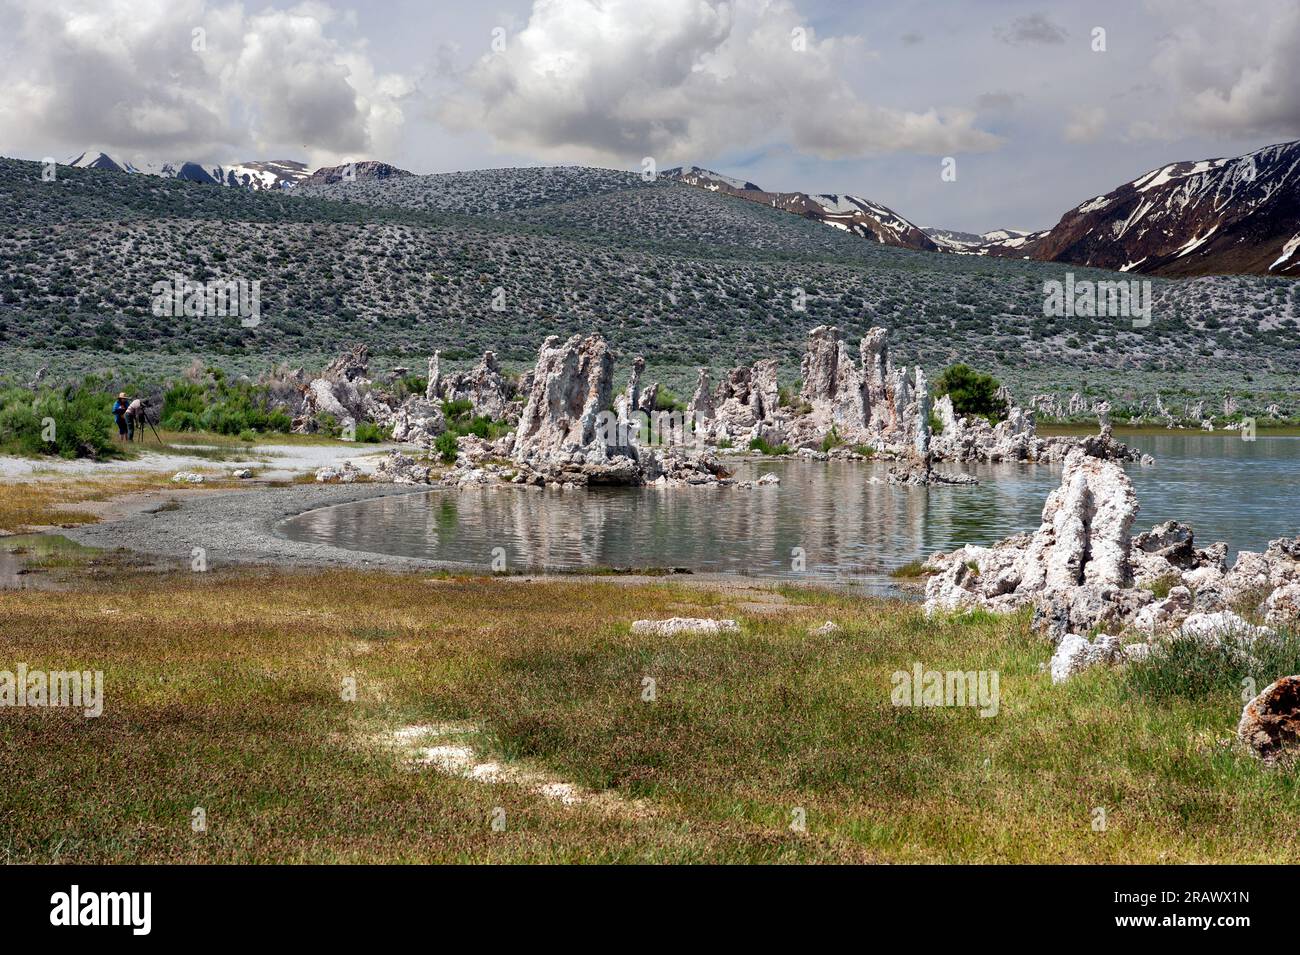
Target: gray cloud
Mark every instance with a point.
(1233, 67)
(999, 101)
(1034, 28)
(1086, 125)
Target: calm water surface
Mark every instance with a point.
(851, 525)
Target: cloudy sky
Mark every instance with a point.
(813, 95)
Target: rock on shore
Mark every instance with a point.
(568, 435)
(1082, 569)
(1270, 723)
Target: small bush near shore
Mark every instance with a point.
(370, 433)
(461, 420)
(971, 393)
(912, 569)
(223, 407)
(445, 445)
(766, 447)
(72, 423)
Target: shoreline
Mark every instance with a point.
(236, 523)
(237, 526)
(244, 536)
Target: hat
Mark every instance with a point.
(122, 394)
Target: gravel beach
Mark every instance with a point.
(238, 526)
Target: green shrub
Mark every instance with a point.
(462, 420)
(763, 447)
(183, 421)
(185, 399)
(247, 435)
(411, 385)
(790, 398)
(77, 422)
(832, 439)
(370, 433)
(1161, 586)
(667, 400)
(459, 408)
(278, 420)
(224, 407)
(446, 446)
(972, 392)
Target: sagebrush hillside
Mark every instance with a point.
(684, 276)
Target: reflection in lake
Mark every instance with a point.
(850, 524)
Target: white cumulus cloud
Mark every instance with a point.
(679, 79)
(1086, 124)
(187, 79)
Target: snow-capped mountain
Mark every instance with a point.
(274, 174)
(353, 172)
(98, 159)
(707, 179)
(849, 213)
(955, 240)
(1212, 216)
(1238, 215)
(266, 174)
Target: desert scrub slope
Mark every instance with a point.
(223, 691)
(683, 276)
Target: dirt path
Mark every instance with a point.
(272, 462)
(449, 748)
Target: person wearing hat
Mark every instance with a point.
(119, 414)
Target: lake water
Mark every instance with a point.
(847, 522)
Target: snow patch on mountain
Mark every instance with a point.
(1003, 235)
(708, 179)
(256, 175)
(1288, 250)
(848, 213)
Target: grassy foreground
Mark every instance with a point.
(222, 690)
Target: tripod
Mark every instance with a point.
(143, 416)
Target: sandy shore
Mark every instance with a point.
(237, 526)
(272, 462)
